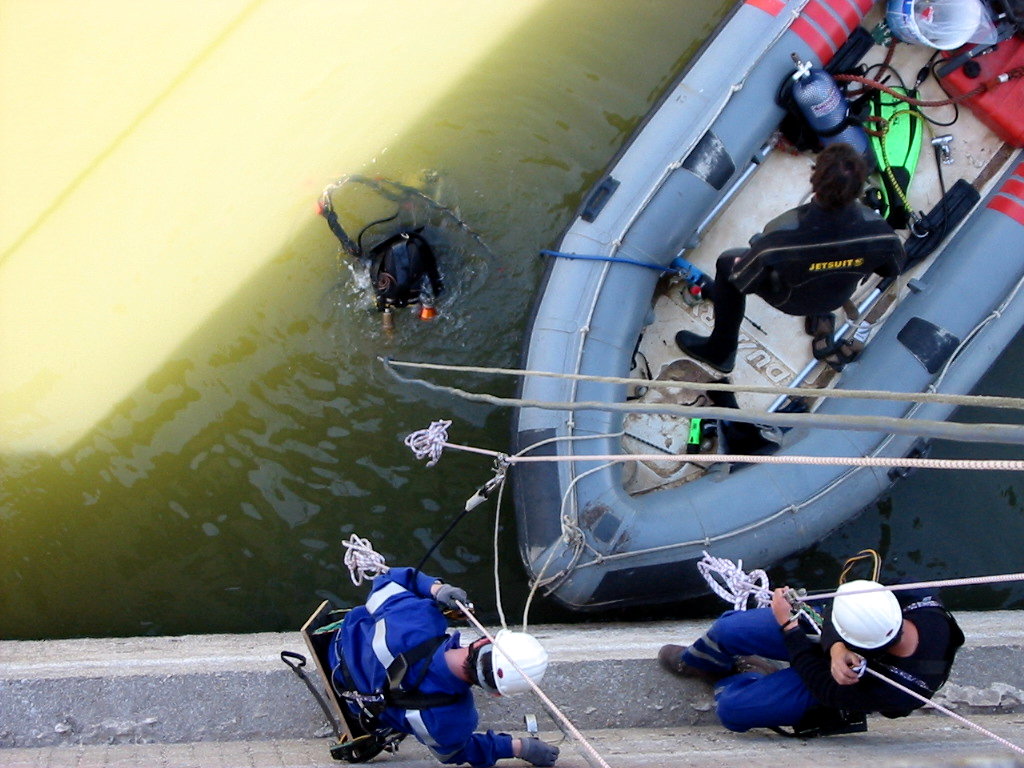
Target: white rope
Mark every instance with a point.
(362, 561)
(966, 581)
(729, 582)
(986, 401)
(588, 751)
(945, 711)
(429, 441)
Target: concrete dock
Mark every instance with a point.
(228, 700)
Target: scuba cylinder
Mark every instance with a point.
(826, 109)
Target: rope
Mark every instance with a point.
(966, 581)
(362, 561)
(429, 441)
(729, 582)
(983, 401)
(588, 751)
(1009, 465)
(1010, 434)
(944, 710)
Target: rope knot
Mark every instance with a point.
(362, 561)
(430, 441)
(729, 582)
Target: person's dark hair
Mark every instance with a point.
(838, 176)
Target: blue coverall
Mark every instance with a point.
(399, 614)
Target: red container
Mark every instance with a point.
(1002, 108)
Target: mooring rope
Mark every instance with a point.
(1011, 434)
(432, 440)
(588, 751)
(362, 561)
(981, 401)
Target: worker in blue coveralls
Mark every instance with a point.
(397, 645)
(911, 639)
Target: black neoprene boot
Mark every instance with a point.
(697, 347)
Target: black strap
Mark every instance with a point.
(394, 695)
(300, 662)
(410, 697)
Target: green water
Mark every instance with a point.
(214, 497)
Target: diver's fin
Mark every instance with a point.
(896, 151)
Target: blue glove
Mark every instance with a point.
(537, 752)
(447, 595)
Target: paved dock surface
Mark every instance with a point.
(920, 741)
(227, 700)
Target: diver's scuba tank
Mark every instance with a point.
(826, 109)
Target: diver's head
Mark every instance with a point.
(837, 176)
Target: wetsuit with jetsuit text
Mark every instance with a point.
(808, 261)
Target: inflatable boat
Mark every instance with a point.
(704, 172)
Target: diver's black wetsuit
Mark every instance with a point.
(400, 266)
(807, 261)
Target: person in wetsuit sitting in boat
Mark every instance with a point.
(808, 261)
(401, 267)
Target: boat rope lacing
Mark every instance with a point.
(751, 585)
(362, 561)
(588, 751)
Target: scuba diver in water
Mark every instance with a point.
(403, 269)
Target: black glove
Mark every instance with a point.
(447, 595)
(538, 752)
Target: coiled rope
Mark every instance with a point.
(729, 581)
(362, 561)
(430, 441)
(588, 751)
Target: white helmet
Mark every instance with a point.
(869, 620)
(495, 671)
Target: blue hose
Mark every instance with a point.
(614, 259)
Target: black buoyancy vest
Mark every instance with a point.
(398, 266)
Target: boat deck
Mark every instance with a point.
(774, 348)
